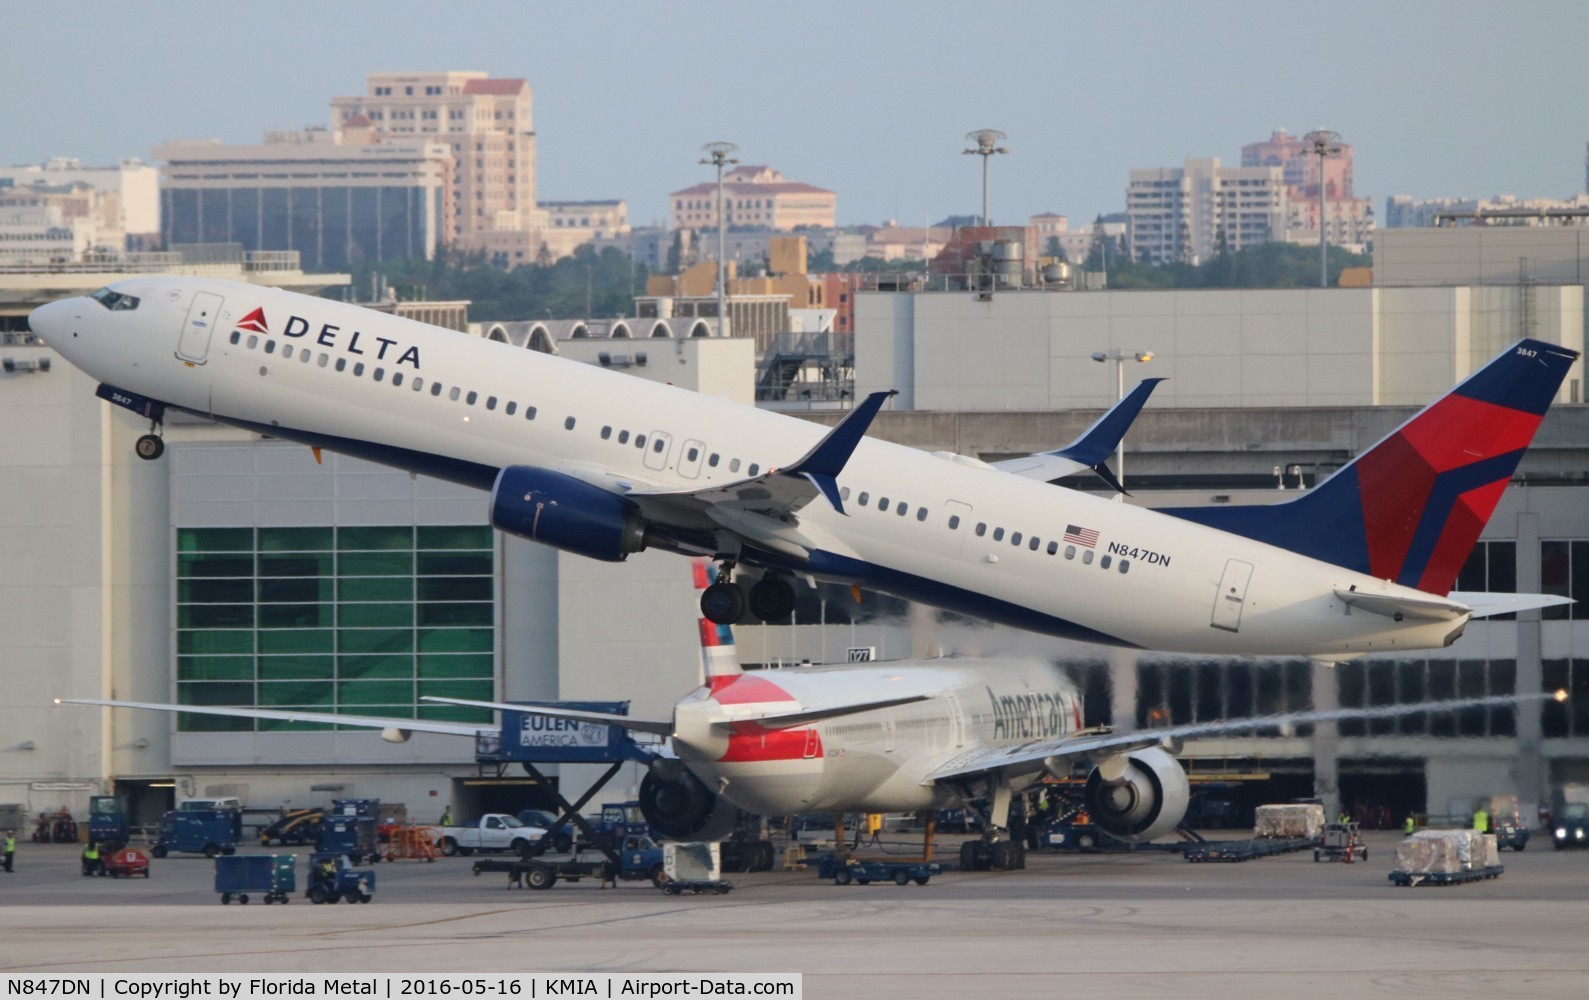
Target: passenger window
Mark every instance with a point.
(325, 359)
(435, 388)
(882, 505)
(954, 521)
(491, 402)
(1053, 547)
(237, 335)
(1015, 539)
(1104, 562)
(529, 413)
(469, 399)
(754, 470)
(342, 364)
(639, 440)
(712, 461)
(998, 534)
(253, 341)
(658, 445)
(733, 466)
(358, 369)
(982, 528)
(606, 432)
(623, 437)
(270, 347)
(1070, 552)
(397, 378)
(1086, 558)
(568, 424)
(864, 498)
(379, 374)
(921, 513)
(304, 355)
(286, 352)
(454, 393)
(1125, 565)
(902, 508)
(511, 408)
(417, 382)
(694, 453)
(844, 493)
(1035, 543)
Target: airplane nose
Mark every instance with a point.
(48, 320)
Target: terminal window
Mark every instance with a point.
(357, 620)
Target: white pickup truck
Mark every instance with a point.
(492, 832)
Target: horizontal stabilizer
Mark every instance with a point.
(1484, 604)
(1394, 606)
(553, 712)
(788, 720)
(1091, 449)
(317, 718)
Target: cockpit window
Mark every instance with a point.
(115, 301)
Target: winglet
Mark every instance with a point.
(822, 464)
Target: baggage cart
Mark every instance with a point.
(1446, 878)
(330, 880)
(273, 876)
(843, 871)
(129, 862)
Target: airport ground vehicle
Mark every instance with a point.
(639, 858)
(295, 826)
(350, 835)
(127, 862)
(491, 832)
(107, 821)
(273, 876)
(1341, 842)
(560, 836)
(207, 831)
(843, 871)
(1572, 826)
(331, 880)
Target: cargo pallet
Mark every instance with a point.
(1446, 878)
(1245, 850)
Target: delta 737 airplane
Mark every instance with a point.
(879, 737)
(602, 464)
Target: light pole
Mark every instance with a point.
(1323, 143)
(987, 141)
(1120, 357)
(717, 154)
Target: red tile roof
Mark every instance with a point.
(731, 189)
(507, 87)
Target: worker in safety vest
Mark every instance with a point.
(1408, 826)
(1481, 820)
(92, 865)
(10, 848)
(446, 817)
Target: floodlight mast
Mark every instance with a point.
(987, 144)
(717, 155)
(1323, 143)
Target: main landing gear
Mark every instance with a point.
(725, 602)
(151, 446)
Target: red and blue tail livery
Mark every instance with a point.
(1411, 508)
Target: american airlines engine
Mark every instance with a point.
(603, 464)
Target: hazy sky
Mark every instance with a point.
(869, 99)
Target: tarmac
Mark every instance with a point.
(1146, 924)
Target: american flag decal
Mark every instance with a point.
(1085, 537)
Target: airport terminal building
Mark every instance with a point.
(240, 569)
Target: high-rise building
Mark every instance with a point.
(1188, 213)
(1349, 219)
(489, 127)
(130, 193)
(755, 196)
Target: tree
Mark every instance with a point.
(1098, 249)
(676, 252)
(1053, 248)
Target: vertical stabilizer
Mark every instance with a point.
(719, 658)
(1410, 508)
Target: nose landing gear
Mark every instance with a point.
(150, 446)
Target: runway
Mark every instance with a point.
(1143, 925)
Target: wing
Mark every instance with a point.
(1484, 604)
(552, 712)
(1040, 754)
(762, 508)
(1092, 449)
(403, 726)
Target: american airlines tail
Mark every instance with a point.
(719, 658)
(1411, 508)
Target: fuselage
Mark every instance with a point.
(876, 760)
(951, 533)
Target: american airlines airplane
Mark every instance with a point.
(602, 464)
(883, 737)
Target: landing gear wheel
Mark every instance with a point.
(968, 856)
(149, 447)
(772, 600)
(723, 603)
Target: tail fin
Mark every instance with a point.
(718, 656)
(1411, 508)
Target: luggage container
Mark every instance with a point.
(353, 836)
(274, 876)
(210, 832)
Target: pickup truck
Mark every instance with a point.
(492, 832)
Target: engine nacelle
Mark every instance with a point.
(1148, 800)
(681, 808)
(565, 513)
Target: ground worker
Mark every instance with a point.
(1481, 820)
(446, 817)
(1408, 826)
(91, 862)
(10, 848)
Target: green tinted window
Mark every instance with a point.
(375, 666)
(455, 588)
(389, 693)
(295, 564)
(455, 537)
(455, 640)
(292, 668)
(213, 591)
(375, 640)
(294, 539)
(215, 540)
(296, 641)
(215, 668)
(296, 693)
(215, 616)
(215, 642)
(375, 615)
(454, 564)
(365, 539)
(295, 590)
(473, 690)
(191, 564)
(447, 665)
(215, 693)
(376, 563)
(455, 614)
(453, 713)
(295, 615)
(377, 588)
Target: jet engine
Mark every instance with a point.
(565, 513)
(681, 808)
(1139, 796)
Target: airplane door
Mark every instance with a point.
(812, 743)
(956, 521)
(957, 722)
(203, 314)
(1232, 595)
(690, 459)
(657, 448)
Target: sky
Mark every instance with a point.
(869, 99)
